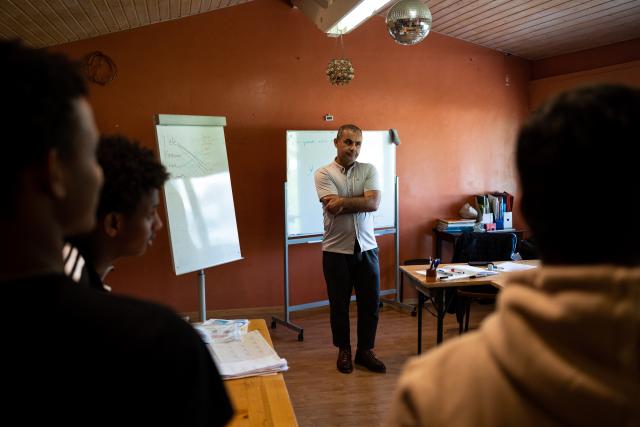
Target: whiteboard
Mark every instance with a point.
(198, 197)
(309, 150)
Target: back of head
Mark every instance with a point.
(576, 165)
(130, 172)
(36, 113)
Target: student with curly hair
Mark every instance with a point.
(127, 217)
(73, 356)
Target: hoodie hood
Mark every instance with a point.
(568, 338)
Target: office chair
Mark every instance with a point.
(480, 247)
(528, 248)
(413, 261)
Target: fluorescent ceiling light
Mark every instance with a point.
(356, 16)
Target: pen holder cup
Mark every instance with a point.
(432, 276)
(499, 224)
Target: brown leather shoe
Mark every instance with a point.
(344, 363)
(369, 360)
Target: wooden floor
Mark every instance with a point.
(321, 395)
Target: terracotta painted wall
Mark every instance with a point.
(589, 59)
(543, 89)
(616, 63)
(262, 66)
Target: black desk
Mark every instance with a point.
(446, 236)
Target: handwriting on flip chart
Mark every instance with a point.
(188, 160)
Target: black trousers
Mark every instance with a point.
(343, 273)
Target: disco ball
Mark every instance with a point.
(409, 21)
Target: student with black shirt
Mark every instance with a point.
(73, 356)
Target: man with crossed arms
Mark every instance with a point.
(350, 193)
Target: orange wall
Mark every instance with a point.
(262, 65)
(543, 89)
(589, 59)
(615, 63)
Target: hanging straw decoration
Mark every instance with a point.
(340, 71)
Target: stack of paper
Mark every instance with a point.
(249, 356)
(222, 330)
(455, 224)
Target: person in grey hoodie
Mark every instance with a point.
(562, 348)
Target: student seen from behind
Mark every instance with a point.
(562, 347)
(73, 356)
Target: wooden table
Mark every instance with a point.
(435, 290)
(261, 401)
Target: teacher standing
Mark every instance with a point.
(350, 193)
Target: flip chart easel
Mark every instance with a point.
(198, 195)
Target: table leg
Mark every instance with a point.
(441, 310)
(420, 309)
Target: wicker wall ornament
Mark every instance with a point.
(340, 71)
(99, 68)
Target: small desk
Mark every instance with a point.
(445, 236)
(260, 401)
(419, 282)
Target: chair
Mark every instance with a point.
(528, 248)
(413, 261)
(480, 247)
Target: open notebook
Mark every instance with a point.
(249, 356)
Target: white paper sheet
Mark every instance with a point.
(222, 330)
(252, 355)
(512, 266)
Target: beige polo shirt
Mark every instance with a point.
(341, 231)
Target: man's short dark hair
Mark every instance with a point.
(36, 112)
(352, 128)
(130, 172)
(579, 176)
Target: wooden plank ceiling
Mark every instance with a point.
(533, 29)
(538, 29)
(42, 23)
